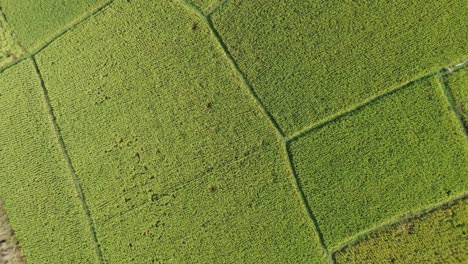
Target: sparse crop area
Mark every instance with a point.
(230, 131)
(9, 248)
(9, 49)
(438, 237)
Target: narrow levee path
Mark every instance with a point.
(66, 156)
(266, 114)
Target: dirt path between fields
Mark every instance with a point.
(9, 248)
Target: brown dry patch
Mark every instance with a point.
(9, 248)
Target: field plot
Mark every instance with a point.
(439, 237)
(9, 50)
(175, 158)
(457, 83)
(37, 21)
(400, 153)
(36, 185)
(308, 60)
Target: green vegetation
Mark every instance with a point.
(37, 21)
(230, 131)
(439, 237)
(457, 83)
(36, 185)
(308, 60)
(9, 50)
(397, 154)
(175, 158)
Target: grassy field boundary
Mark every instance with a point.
(74, 24)
(269, 116)
(246, 82)
(396, 221)
(66, 156)
(306, 205)
(215, 8)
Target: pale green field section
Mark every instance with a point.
(36, 185)
(439, 237)
(457, 82)
(176, 160)
(308, 60)
(400, 153)
(37, 21)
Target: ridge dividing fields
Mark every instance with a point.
(270, 117)
(451, 99)
(246, 82)
(273, 122)
(215, 8)
(287, 140)
(441, 72)
(70, 27)
(306, 205)
(398, 220)
(280, 132)
(66, 156)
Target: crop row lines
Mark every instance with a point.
(76, 181)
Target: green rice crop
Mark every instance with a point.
(308, 60)
(398, 154)
(230, 131)
(439, 237)
(36, 185)
(175, 158)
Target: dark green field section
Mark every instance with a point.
(400, 153)
(308, 60)
(176, 160)
(457, 83)
(9, 50)
(36, 185)
(37, 21)
(439, 237)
